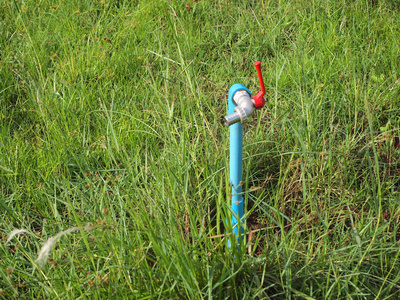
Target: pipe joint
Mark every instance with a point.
(243, 110)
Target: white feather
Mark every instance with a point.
(15, 232)
(48, 245)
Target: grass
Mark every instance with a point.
(110, 118)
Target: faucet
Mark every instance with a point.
(244, 105)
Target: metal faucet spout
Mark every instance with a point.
(243, 110)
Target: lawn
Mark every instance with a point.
(112, 147)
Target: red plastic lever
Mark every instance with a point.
(259, 101)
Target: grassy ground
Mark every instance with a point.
(110, 116)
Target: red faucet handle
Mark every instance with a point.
(259, 101)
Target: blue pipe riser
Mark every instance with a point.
(235, 165)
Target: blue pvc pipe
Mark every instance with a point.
(236, 167)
